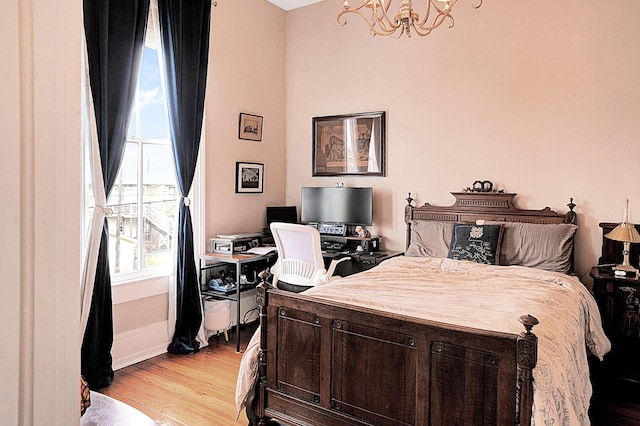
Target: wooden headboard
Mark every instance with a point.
(472, 206)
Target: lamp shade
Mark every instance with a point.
(625, 232)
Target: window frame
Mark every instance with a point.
(144, 276)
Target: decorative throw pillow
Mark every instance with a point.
(477, 243)
(85, 396)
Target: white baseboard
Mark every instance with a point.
(143, 343)
(138, 345)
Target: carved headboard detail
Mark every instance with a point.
(495, 206)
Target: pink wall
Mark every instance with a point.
(535, 96)
(246, 74)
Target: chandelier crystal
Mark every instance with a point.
(406, 20)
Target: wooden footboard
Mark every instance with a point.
(331, 364)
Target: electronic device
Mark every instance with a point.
(286, 214)
(337, 205)
(350, 244)
(333, 229)
(232, 245)
(329, 245)
(624, 274)
(371, 244)
(224, 284)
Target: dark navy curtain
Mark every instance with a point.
(114, 31)
(184, 30)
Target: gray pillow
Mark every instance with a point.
(430, 238)
(536, 245)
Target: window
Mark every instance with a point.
(144, 196)
(144, 199)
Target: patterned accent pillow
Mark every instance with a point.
(476, 243)
(85, 396)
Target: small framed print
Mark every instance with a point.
(250, 127)
(249, 178)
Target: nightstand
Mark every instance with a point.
(618, 299)
(616, 380)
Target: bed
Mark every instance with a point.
(430, 339)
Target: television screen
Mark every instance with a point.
(287, 214)
(350, 206)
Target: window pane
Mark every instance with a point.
(133, 123)
(159, 196)
(151, 99)
(123, 222)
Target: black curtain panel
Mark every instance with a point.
(114, 31)
(184, 30)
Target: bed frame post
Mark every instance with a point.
(527, 359)
(262, 294)
(571, 216)
(408, 216)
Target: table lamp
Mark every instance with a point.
(626, 233)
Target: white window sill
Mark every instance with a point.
(139, 288)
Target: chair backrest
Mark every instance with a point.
(299, 254)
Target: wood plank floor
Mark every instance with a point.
(181, 390)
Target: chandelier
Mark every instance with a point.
(436, 12)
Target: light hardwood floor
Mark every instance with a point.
(193, 390)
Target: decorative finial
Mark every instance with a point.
(625, 218)
(571, 216)
(529, 322)
(409, 199)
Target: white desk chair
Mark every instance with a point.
(300, 256)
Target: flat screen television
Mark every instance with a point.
(286, 214)
(342, 205)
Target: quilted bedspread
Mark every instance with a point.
(491, 298)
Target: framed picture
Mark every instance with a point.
(250, 127)
(249, 177)
(352, 144)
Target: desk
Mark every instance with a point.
(237, 260)
(360, 261)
